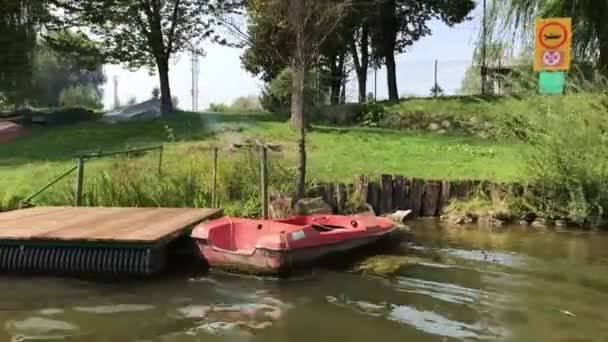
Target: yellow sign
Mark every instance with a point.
(553, 48)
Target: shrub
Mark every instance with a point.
(58, 116)
(372, 114)
(219, 108)
(246, 104)
(276, 95)
(85, 96)
(567, 165)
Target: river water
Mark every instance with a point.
(469, 284)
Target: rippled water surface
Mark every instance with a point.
(471, 284)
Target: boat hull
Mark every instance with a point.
(270, 262)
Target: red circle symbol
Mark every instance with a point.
(544, 38)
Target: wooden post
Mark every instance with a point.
(446, 193)
(79, 182)
(214, 187)
(386, 195)
(373, 196)
(264, 175)
(160, 160)
(415, 196)
(362, 184)
(398, 193)
(340, 192)
(431, 198)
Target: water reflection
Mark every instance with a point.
(39, 328)
(469, 285)
(240, 319)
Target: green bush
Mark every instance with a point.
(244, 104)
(219, 108)
(276, 95)
(567, 166)
(372, 114)
(81, 95)
(57, 116)
(343, 114)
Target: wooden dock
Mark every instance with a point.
(93, 240)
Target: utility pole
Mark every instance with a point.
(483, 50)
(375, 83)
(116, 101)
(195, 72)
(436, 87)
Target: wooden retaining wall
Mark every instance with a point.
(426, 198)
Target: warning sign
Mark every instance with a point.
(553, 44)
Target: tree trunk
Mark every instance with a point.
(301, 181)
(343, 92)
(362, 83)
(361, 65)
(298, 119)
(166, 103)
(337, 75)
(602, 63)
(391, 75)
(390, 29)
(334, 91)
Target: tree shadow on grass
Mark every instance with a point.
(62, 143)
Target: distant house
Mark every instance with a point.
(500, 74)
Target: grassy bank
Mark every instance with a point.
(335, 154)
(479, 116)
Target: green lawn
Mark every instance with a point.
(334, 153)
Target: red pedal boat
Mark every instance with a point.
(277, 246)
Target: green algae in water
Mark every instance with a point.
(387, 264)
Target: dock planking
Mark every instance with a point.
(108, 225)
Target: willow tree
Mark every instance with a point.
(146, 33)
(590, 31)
(19, 24)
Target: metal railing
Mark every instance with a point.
(82, 158)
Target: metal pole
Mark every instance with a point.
(436, 88)
(79, 182)
(483, 50)
(214, 189)
(31, 197)
(264, 181)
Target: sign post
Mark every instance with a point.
(552, 53)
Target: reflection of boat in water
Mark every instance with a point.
(278, 246)
(245, 318)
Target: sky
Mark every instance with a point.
(222, 79)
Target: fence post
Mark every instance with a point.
(264, 181)
(79, 181)
(214, 188)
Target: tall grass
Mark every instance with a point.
(135, 182)
(566, 164)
